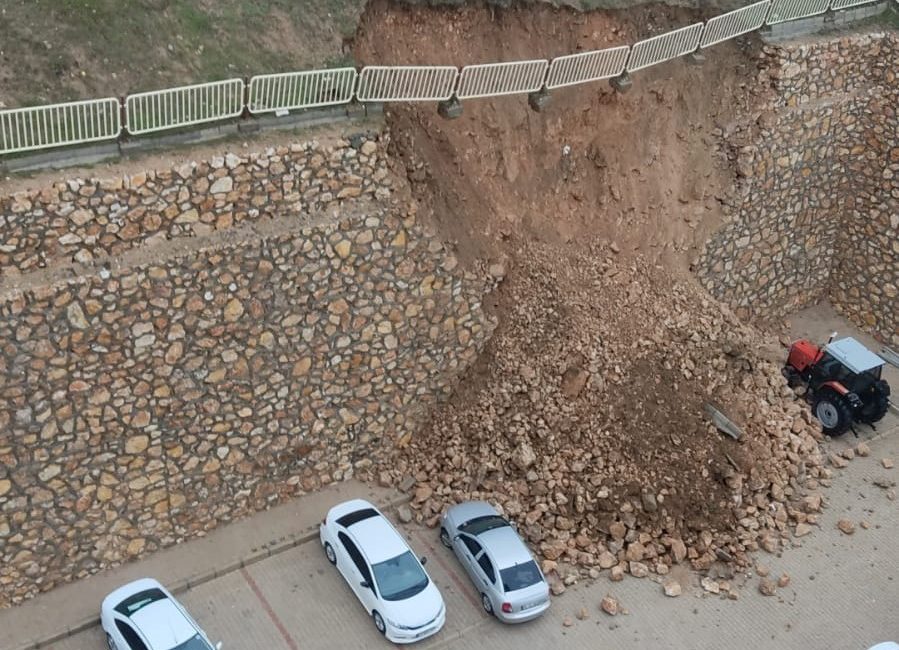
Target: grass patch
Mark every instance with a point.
(81, 49)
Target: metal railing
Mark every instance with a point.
(160, 110)
(29, 129)
(837, 5)
(271, 93)
(497, 79)
(26, 129)
(587, 66)
(784, 10)
(664, 47)
(734, 23)
(407, 83)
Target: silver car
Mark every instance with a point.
(510, 583)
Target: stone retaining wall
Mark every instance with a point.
(81, 220)
(865, 281)
(142, 405)
(815, 187)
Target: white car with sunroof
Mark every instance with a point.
(143, 615)
(386, 576)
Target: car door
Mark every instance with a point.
(487, 575)
(468, 548)
(355, 570)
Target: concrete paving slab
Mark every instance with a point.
(188, 564)
(842, 594)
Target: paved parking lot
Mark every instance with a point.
(843, 594)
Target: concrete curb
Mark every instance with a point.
(191, 582)
(114, 150)
(823, 22)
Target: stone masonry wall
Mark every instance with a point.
(865, 281)
(804, 167)
(81, 220)
(142, 405)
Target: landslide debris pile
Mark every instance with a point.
(584, 422)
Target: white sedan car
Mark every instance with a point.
(143, 615)
(383, 572)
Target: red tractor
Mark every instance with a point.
(843, 382)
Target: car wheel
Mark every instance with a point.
(486, 604)
(329, 553)
(379, 622)
(110, 643)
(445, 538)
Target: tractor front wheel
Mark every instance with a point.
(792, 376)
(833, 412)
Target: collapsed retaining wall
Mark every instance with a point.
(141, 406)
(816, 218)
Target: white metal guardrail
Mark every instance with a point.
(407, 83)
(270, 93)
(587, 66)
(41, 127)
(784, 10)
(836, 5)
(734, 23)
(495, 79)
(160, 110)
(664, 47)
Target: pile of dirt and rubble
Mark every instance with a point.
(584, 421)
(584, 418)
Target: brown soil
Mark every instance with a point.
(587, 406)
(641, 169)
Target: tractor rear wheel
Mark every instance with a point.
(833, 412)
(875, 405)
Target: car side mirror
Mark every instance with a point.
(424, 560)
(218, 646)
(365, 585)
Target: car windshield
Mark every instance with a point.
(194, 643)
(400, 577)
(480, 525)
(520, 576)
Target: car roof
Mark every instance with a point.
(854, 355)
(163, 624)
(505, 547)
(377, 539)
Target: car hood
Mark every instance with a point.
(420, 609)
